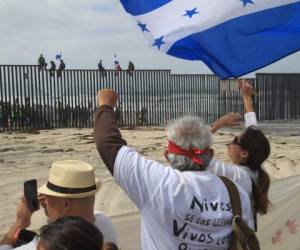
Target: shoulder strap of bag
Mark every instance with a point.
(234, 195)
(242, 237)
(235, 202)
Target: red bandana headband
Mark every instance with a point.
(193, 153)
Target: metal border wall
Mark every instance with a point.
(279, 96)
(33, 98)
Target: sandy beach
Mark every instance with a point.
(25, 156)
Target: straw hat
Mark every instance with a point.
(71, 179)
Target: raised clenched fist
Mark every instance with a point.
(107, 97)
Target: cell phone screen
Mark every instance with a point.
(30, 193)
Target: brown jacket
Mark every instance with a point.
(107, 136)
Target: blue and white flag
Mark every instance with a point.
(116, 62)
(232, 37)
(58, 56)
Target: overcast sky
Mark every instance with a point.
(85, 31)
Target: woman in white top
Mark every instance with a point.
(247, 151)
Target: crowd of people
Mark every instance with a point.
(183, 206)
(43, 66)
(117, 68)
(16, 116)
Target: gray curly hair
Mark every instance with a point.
(188, 132)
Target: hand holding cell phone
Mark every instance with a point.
(23, 214)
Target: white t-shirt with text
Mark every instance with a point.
(179, 210)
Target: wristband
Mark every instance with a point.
(16, 235)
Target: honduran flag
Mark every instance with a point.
(232, 37)
(58, 56)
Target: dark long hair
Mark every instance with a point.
(72, 233)
(255, 142)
